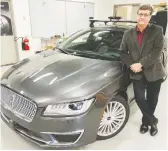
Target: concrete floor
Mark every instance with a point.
(129, 138)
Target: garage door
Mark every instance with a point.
(55, 17)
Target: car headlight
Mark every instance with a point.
(69, 109)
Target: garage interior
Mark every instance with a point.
(45, 24)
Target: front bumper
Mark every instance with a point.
(62, 132)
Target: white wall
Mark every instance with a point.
(85, 0)
(22, 25)
(103, 9)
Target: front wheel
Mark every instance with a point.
(114, 118)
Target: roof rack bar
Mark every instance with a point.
(114, 19)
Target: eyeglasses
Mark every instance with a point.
(145, 15)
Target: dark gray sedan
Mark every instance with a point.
(71, 96)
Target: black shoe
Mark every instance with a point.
(144, 128)
(153, 130)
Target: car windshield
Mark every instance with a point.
(94, 43)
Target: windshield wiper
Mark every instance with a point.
(91, 54)
(62, 50)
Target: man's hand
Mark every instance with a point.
(136, 67)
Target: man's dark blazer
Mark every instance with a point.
(148, 54)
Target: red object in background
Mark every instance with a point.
(25, 44)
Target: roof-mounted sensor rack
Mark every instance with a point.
(112, 19)
(116, 18)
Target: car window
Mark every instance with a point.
(81, 39)
(103, 43)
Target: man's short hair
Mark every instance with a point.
(146, 7)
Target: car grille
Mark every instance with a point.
(19, 105)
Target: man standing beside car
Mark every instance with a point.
(141, 50)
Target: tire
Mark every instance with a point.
(122, 105)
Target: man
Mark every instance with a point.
(141, 50)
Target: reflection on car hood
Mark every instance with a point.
(61, 77)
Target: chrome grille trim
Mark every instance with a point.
(19, 105)
(54, 142)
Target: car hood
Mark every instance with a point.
(63, 78)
